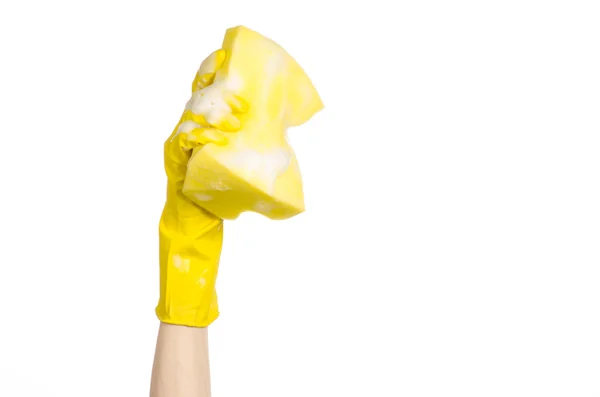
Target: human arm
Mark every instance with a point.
(181, 366)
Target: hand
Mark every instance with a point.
(191, 237)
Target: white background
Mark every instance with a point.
(451, 245)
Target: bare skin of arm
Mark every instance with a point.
(181, 367)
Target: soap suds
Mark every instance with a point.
(182, 264)
(276, 64)
(266, 166)
(203, 197)
(234, 82)
(186, 127)
(210, 101)
(215, 185)
(209, 65)
(263, 207)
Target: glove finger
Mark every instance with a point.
(206, 73)
(225, 122)
(201, 81)
(202, 136)
(213, 62)
(236, 102)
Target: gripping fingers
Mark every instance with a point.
(213, 62)
(206, 73)
(202, 81)
(207, 79)
(202, 136)
(237, 103)
(226, 118)
(225, 122)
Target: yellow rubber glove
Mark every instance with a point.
(224, 157)
(191, 237)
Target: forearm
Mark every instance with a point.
(181, 367)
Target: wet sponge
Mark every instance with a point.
(257, 169)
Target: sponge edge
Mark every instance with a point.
(227, 193)
(257, 170)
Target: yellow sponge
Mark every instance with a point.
(256, 170)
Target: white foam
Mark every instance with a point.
(263, 207)
(186, 127)
(182, 264)
(265, 166)
(203, 197)
(210, 101)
